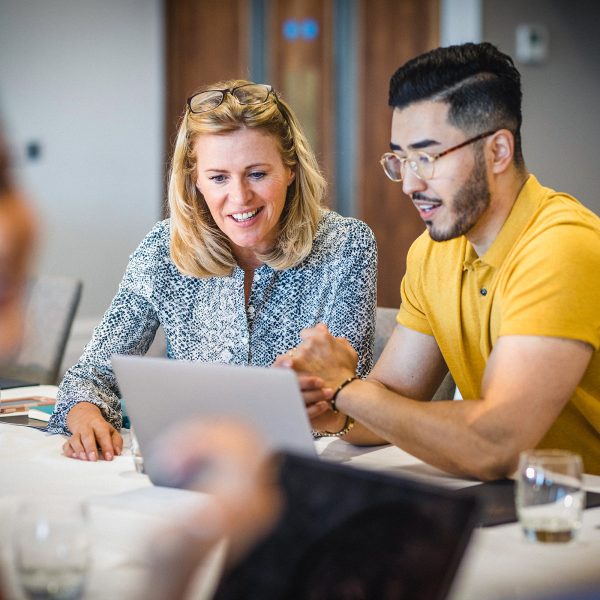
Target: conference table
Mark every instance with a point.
(127, 513)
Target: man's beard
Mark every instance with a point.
(468, 204)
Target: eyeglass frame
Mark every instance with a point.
(431, 157)
(231, 91)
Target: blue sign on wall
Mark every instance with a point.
(306, 29)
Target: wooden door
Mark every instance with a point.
(393, 31)
(206, 41)
(300, 66)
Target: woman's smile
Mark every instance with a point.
(246, 217)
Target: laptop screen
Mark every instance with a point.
(160, 392)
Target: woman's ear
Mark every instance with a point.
(291, 177)
(502, 144)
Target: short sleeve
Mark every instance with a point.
(412, 313)
(554, 287)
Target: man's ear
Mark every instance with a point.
(502, 144)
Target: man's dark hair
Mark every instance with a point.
(480, 84)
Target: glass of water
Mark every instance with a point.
(51, 547)
(549, 495)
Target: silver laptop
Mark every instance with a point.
(159, 392)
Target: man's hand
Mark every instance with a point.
(91, 434)
(323, 356)
(322, 363)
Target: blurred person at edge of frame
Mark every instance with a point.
(17, 233)
(248, 258)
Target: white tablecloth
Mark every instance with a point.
(127, 511)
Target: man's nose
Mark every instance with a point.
(412, 183)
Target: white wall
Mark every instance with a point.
(84, 79)
(561, 128)
(460, 22)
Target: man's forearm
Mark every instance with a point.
(438, 433)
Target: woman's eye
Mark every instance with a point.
(217, 178)
(257, 175)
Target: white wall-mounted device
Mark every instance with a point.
(532, 44)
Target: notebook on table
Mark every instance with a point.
(352, 533)
(159, 392)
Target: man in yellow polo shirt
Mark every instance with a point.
(503, 289)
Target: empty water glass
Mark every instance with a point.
(51, 547)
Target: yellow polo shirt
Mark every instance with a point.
(541, 276)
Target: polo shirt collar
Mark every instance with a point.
(520, 214)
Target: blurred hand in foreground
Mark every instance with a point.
(228, 462)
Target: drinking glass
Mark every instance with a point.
(51, 546)
(549, 495)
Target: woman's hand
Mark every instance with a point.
(92, 436)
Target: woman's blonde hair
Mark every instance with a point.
(198, 247)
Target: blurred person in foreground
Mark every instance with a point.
(17, 233)
(248, 258)
(502, 290)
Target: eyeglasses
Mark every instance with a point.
(420, 163)
(249, 93)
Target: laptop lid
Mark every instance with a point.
(159, 392)
(352, 533)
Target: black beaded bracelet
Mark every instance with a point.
(340, 388)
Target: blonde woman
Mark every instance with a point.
(248, 258)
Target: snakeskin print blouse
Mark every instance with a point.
(208, 319)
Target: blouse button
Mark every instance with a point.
(483, 292)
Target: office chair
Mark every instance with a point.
(49, 312)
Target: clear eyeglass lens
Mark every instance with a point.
(423, 165)
(393, 166)
(205, 101)
(251, 94)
